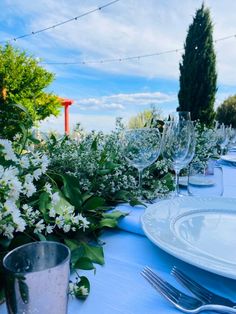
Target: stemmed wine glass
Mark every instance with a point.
(222, 138)
(178, 146)
(179, 116)
(141, 147)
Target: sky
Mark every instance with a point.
(102, 90)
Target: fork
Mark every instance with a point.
(199, 291)
(179, 299)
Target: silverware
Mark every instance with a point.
(206, 296)
(180, 300)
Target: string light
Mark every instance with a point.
(115, 59)
(61, 23)
(138, 57)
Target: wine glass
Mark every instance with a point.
(177, 137)
(141, 147)
(180, 116)
(222, 138)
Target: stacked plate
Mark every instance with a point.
(198, 230)
(230, 159)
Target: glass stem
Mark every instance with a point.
(140, 177)
(177, 182)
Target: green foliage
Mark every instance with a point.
(226, 112)
(100, 167)
(198, 70)
(147, 118)
(22, 81)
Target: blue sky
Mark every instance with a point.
(103, 91)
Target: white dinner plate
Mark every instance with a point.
(229, 158)
(198, 230)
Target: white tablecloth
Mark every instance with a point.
(117, 287)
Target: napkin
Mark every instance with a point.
(131, 222)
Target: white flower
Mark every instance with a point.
(84, 222)
(52, 212)
(10, 173)
(49, 229)
(45, 162)
(66, 228)
(84, 291)
(36, 160)
(37, 173)
(48, 188)
(29, 178)
(24, 162)
(9, 207)
(8, 231)
(55, 198)
(7, 150)
(21, 224)
(1, 171)
(29, 189)
(60, 221)
(28, 210)
(15, 188)
(17, 137)
(39, 227)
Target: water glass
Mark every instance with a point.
(205, 181)
(141, 147)
(37, 277)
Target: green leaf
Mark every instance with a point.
(86, 196)
(76, 255)
(84, 263)
(134, 202)
(71, 189)
(94, 145)
(107, 222)
(104, 171)
(93, 203)
(24, 290)
(44, 201)
(4, 242)
(41, 237)
(110, 165)
(122, 195)
(116, 214)
(94, 253)
(84, 282)
(72, 244)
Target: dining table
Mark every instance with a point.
(117, 287)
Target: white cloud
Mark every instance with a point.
(124, 101)
(127, 28)
(94, 118)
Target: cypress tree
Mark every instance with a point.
(198, 70)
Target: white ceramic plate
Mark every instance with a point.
(197, 230)
(229, 158)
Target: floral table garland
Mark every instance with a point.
(62, 189)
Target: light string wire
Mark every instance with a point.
(61, 23)
(128, 58)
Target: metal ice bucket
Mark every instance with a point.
(37, 276)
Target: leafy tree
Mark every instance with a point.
(147, 118)
(198, 70)
(226, 112)
(23, 81)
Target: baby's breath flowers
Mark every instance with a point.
(99, 164)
